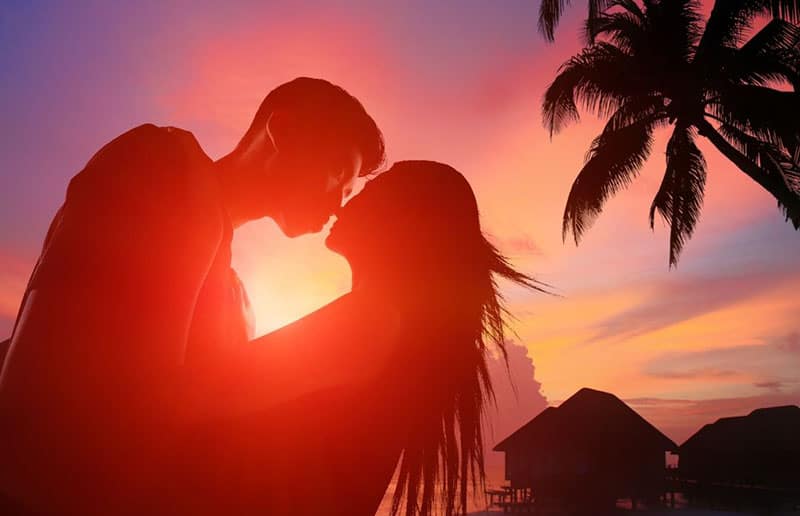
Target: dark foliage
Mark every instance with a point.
(652, 63)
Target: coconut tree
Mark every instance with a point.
(653, 65)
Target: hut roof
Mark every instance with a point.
(588, 416)
(772, 428)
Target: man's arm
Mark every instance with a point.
(344, 343)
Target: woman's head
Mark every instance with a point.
(414, 231)
(419, 219)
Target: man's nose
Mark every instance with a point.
(343, 204)
(347, 192)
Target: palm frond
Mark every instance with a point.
(771, 158)
(645, 108)
(771, 56)
(730, 20)
(613, 161)
(762, 153)
(727, 25)
(549, 15)
(677, 27)
(680, 197)
(623, 29)
(550, 12)
(783, 187)
(768, 114)
(598, 77)
(777, 35)
(788, 10)
(776, 68)
(628, 5)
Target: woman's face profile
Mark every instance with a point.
(414, 211)
(359, 222)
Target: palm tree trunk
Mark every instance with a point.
(789, 200)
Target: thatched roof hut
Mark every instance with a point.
(760, 449)
(592, 449)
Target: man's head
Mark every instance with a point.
(308, 142)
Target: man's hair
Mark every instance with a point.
(332, 113)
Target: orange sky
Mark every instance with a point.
(459, 82)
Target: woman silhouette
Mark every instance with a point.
(404, 356)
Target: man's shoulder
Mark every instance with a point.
(146, 158)
(148, 141)
(165, 133)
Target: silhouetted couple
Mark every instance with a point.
(133, 384)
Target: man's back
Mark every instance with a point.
(135, 262)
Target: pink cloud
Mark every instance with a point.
(678, 299)
(520, 245)
(791, 343)
(518, 399)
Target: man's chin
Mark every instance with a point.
(293, 234)
(294, 231)
(330, 242)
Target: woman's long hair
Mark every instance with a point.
(464, 322)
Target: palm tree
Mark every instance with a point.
(654, 65)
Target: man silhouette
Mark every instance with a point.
(134, 282)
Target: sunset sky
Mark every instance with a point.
(455, 81)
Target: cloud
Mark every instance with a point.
(790, 343)
(774, 386)
(693, 374)
(520, 245)
(725, 269)
(677, 300)
(518, 399)
(771, 362)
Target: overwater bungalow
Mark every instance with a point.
(584, 455)
(751, 460)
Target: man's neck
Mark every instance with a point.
(236, 194)
(228, 190)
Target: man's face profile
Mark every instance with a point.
(300, 178)
(315, 187)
